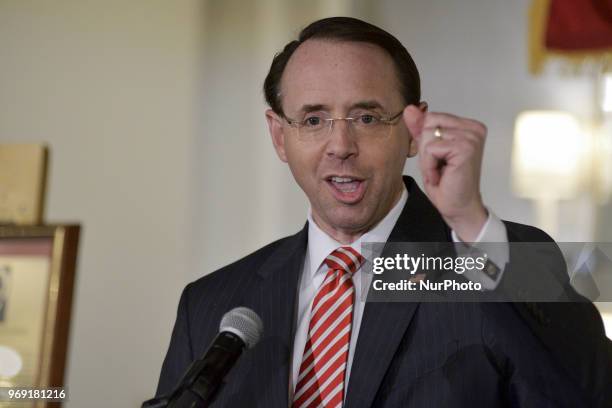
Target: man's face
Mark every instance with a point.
(339, 78)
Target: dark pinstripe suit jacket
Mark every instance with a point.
(407, 354)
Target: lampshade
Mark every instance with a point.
(606, 100)
(547, 156)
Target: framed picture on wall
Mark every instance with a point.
(37, 272)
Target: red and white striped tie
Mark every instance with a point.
(321, 379)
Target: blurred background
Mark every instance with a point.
(153, 112)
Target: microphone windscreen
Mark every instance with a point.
(244, 323)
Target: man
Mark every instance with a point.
(345, 114)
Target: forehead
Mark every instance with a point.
(339, 74)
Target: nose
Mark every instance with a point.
(341, 141)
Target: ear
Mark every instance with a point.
(414, 117)
(275, 127)
(413, 147)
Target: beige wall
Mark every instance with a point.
(112, 87)
(154, 114)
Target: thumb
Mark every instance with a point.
(414, 119)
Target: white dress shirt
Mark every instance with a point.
(320, 245)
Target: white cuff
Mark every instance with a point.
(490, 242)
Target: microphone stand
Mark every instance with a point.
(202, 380)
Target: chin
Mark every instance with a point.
(350, 219)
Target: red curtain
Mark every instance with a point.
(579, 25)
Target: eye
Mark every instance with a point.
(312, 121)
(368, 119)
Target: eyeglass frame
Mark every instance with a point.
(385, 120)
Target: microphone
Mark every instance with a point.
(240, 328)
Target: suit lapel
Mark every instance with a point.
(274, 299)
(384, 323)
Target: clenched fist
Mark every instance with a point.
(450, 152)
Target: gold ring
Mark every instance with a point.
(438, 132)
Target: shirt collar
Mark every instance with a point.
(320, 244)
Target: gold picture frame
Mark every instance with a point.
(37, 273)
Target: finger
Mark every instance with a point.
(430, 164)
(448, 121)
(465, 146)
(414, 118)
(451, 134)
(434, 156)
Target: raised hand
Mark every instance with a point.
(450, 152)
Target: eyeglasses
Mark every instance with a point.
(317, 126)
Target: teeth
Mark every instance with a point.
(342, 180)
(345, 184)
(347, 188)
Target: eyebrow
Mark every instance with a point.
(367, 104)
(314, 107)
(371, 104)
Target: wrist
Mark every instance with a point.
(468, 225)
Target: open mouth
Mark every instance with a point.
(346, 189)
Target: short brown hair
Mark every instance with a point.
(346, 29)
